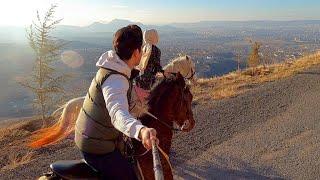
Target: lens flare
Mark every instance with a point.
(72, 59)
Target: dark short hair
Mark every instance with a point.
(126, 40)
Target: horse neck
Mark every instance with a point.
(164, 133)
(159, 107)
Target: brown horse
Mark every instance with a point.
(170, 104)
(170, 101)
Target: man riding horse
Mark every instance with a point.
(105, 116)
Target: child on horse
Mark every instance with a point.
(150, 62)
(105, 116)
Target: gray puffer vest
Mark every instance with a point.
(94, 132)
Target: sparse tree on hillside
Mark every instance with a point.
(238, 53)
(45, 82)
(254, 57)
(268, 55)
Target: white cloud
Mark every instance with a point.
(15, 12)
(144, 12)
(119, 6)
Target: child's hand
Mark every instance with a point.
(134, 73)
(158, 75)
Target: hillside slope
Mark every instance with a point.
(271, 131)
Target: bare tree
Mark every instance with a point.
(238, 54)
(45, 82)
(254, 57)
(268, 55)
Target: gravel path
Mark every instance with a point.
(271, 131)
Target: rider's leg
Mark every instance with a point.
(111, 166)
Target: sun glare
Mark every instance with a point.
(21, 13)
(72, 59)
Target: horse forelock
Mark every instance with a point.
(181, 64)
(177, 60)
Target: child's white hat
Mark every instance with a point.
(151, 36)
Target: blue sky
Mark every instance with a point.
(84, 12)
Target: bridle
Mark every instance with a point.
(180, 107)
(191, 70)
(192, 74)
(166, 124)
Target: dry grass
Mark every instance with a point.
(11, 140)
(3, 132)
(15, 160)
(235, 83)
(19, 130)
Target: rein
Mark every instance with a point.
(168, 126)
(164, 123)
(157, 164)
(192, 74)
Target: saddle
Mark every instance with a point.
(74, 169)
(81, 170)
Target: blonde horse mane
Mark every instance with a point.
(182, 64)
(66, 122)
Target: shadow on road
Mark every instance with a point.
(210, 170)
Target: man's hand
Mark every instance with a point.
(147, 135)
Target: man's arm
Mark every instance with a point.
(115, 94)
(114, 90)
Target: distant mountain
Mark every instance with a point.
(100, 33)
(104, 31)
(90, 34)
(247, 24)
(111, 26)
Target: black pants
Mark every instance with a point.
(111, 166)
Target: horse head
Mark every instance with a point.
(170, 101)
(184, 65)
